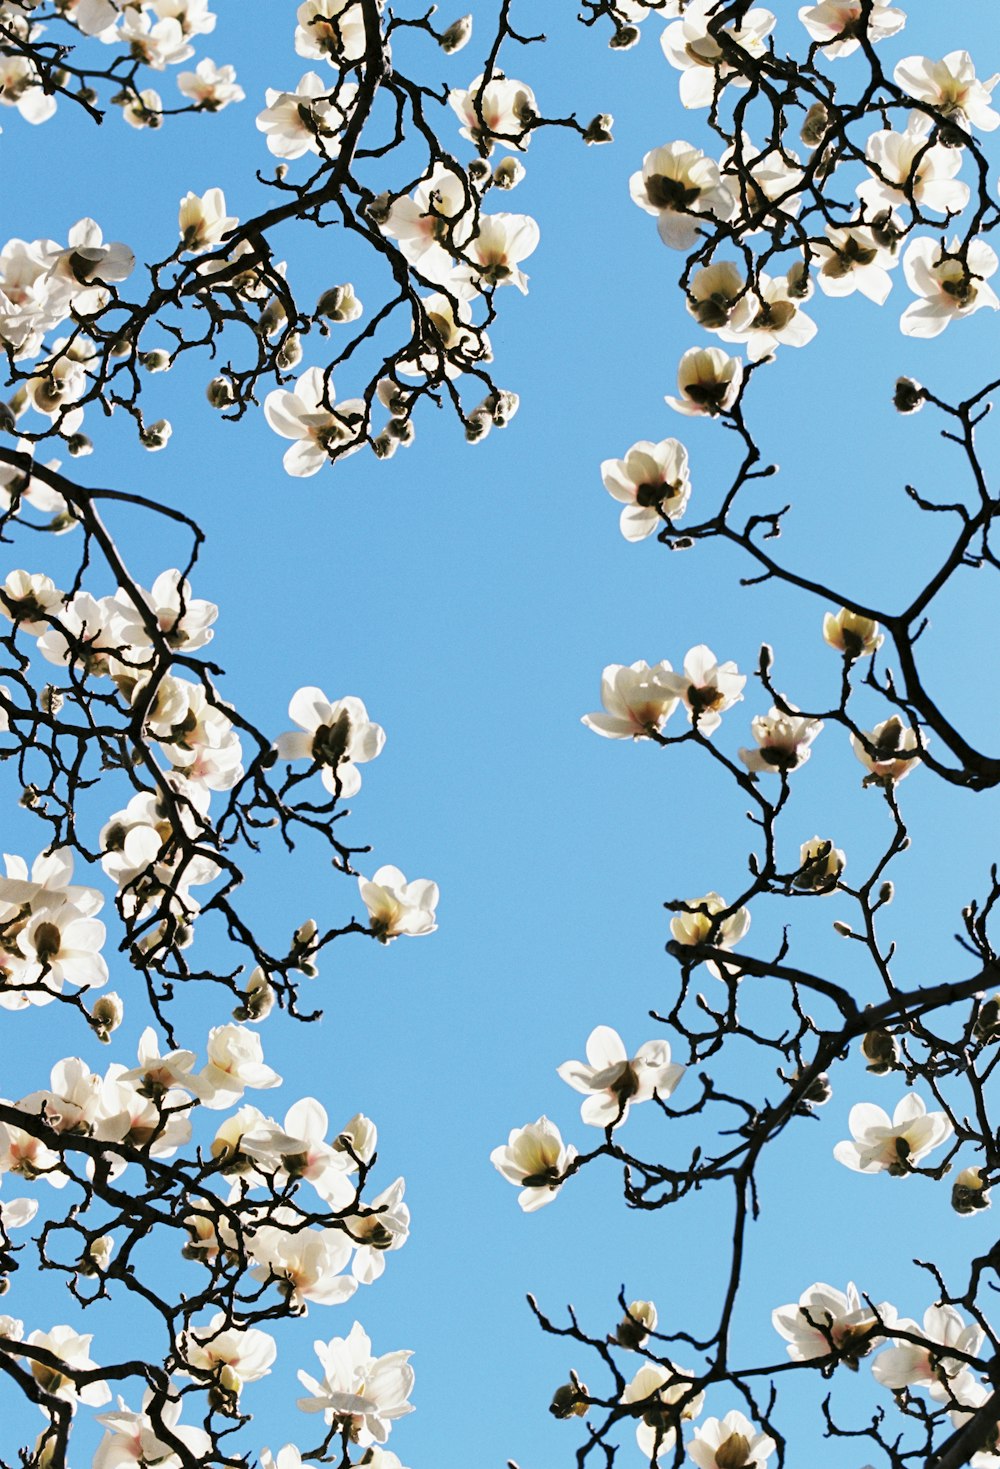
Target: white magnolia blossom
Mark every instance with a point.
(247, 1352)
(235, 1062)
(838, 24)
(202, 745)
(144, 110)
(62, 945)
(894, 748)
(952, 87)
(64, 1344)
(495, 251)
(338, 737)
(331, 30)
(690, 47)
(308, 119)
(708, 382)
(637, 701)
(535, 1158)
(454, 344)
(827, 1321)
(501, 111)
(852, 633)
(706, 687)
(680, 186)
(396, 906)
(975, 1395)
(307, 1264)
(19, 488)
(852, 260)
(731, 1442)
(29, 600)
(951, 282)
(28, 1157)
(84, 635)
(363, 1393)
(438, 220)
(203, 221)
(300, 1150)
(131, 1440)
(669, 1399)
(652, 482)
(612, 1082)
(905, 1364)
(383, 1226)
(783, 739)
(210, 87)
(308, 416)
(184, 621)
(769, 316)
(820, 865)
(696, 926)
(763, 183)
(907, 167)
(879, 1145)
(158, 43)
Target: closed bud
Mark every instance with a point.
(501, 406)
(50, 699)
(155, 436)
(272, 318)
(508, 173)
(815, 125)
(155, 361)
(987, 1026)
(881, 1052)
(121, 347)
(886, 893)
(598, 129)
(624, 38)
(384, 446)
(79, 445)
(844, 929)
(478, 170)
(379, 208)
(968, 1195)
(402, 430)
(456, 36)
(634, 1327)
(220, 392)
(97, 1256)
(766, 657)
(107, 1014)
(908, 396)
(477, 426)
(87, 95)
(567, 1401)
(290, 352)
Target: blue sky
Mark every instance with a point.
(471, 596)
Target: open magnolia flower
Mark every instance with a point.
(905, 1365)
(951, 282)
(668, 1398)
(729, 1443)
(706, 687)
(396, 906)
(308, 416)
(851, 633)
(637, 701)
(696, 926)
(708, 382)
(359, 1392)
(131, 1439)
(838, 25)
(691, 47)
(680, 186)
(820, 865)
(203, 221)
(652, 482)
(66, 1346)
(535, 1158)
(951, 86)
(907, 167)
(854, 260)
(828, 1321)
(611, 1081)
(501, 111)
(880, 1146)
(891, 755)
(769, 316)
(783, 740)
(338, 737)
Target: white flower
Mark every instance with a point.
(331, 30)
(501, 111)
(384, 1226)
(535, 1158)
(827, 1321)
(729, 1443)
(363, 1393)
(203, 221)
(611, 1082)
(308, 119)
(951, 86)
(20, 87)
(308, 416)
(837, 24)
(666, 1392)
(210, 87)
(29, 600)
(894, 748)
(706, 687)
(306, 1264)
(439, 219)
(396, 906)
(820, 865)
(498, 246)
(696, 926)
(851, 633)
(853, 260)
(768, 316)
(159, 43)
(638, 700)
(235, 1062)
(248, 1352)
(678, 185)
(184, 621)
(690, 47)
(708, 382)
(652, 481)
(62, 945)
(762, 183)
(74, 1351)
(338, 737)
(144, 110)
(130, 1438)
(303, 1152)
(907, 168)
(949, 285)
(783, 740)
(881, 1146)
(28, 1157)
(904, 1364)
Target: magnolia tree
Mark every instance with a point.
(153, 794)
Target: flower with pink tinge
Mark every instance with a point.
(894, 748)
(248, 1352)
(303, 1152)
(904, 1364)
(501, 111)
(879, 1145)
(783, 739)
(396, 906)
(308, 416)
(951, 285)
(708, 382)
(973, 1396)
(681, 187)
(331, 30)
(131, 1440)
(637, 701)
(730, 1443)
(837, 25)
(210, 87)
(706, 687)
(666, 1394)
(652, 482)
(364, 1394)
(611, 1081)
(306, 1264)
(827, 1321)
(338, 737)
(498, 246)
(535, 1159)
(952, 87)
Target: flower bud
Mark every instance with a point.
(886, 893)
(402, 430)
(379, 208)
(908, 396)
(50, 699)
(624, 38)
(158, 360)
(968, 1193)
(219, 392)
(107, 1014)
(79, 445)
(290, 352)
(155, 436)
(880, 1049)
(598, 129)
(259, 999)
(815, 124)
(844, 929)
(272, 318)
(339, 303)
(634, 1327)
(456, 36)
(567, 1401)
(987, 1026)
(478, 170)
(384, 446)
(97, 1256)
(508, 173)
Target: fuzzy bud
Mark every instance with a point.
(634, 1327)
(968, 1195)
(155, 436)
(456, 36)
(624, 38)
(908, 396)
(598, 129)
(508, 173)
(157, 360)
(566, 1401)
(79, 445)
(220, 392)
(881, 1052)
(107, 1014)
(290, 352)
(814, 125)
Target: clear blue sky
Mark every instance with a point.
(471, 596)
